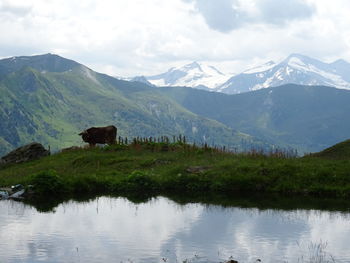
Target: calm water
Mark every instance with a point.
(117, 230)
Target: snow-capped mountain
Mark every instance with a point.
(296, 68)
(195, 75)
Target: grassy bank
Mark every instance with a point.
(158, 168)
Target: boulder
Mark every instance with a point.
(25, 153)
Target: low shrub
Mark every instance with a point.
(139, 181)
(48, 183)
(187, 182)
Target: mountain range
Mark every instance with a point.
(50, 99)
(296, 69)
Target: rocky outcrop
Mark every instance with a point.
(25, 153)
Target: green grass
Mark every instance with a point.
(161, 168)
(339, 151)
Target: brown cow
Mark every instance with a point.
(101, 135)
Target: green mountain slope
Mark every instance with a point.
(50, 100)
(309, 118)
(339, 151)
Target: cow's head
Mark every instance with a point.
(85, 135)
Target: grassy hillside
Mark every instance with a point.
(308, 118)
(156, 168)
(50, 100)
(339, 151)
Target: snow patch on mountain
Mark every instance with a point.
(267, 66)
(196, 75)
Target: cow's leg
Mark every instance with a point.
(92, 144)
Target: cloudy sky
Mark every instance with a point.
(143, 37)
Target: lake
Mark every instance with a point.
(111, 229)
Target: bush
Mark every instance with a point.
(187, 182)
(90, 184)
(48, 183)
(139, 181)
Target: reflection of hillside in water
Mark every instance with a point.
(115, 229)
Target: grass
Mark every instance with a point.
(146, 166)
(339, 151)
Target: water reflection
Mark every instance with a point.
(117, 230)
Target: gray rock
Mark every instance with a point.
(4, 194)
(197, 169)
(25, 153)
(18, 195)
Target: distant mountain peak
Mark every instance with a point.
(340, 62)
(268, 65)
(45, 62)
(195, 74)
(193, 65)
(141, 79)
(297, 55)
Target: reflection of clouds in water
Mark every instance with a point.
(106, 227)
(246, 234)
(110, 228)
(334, 229)
(249, 234)
(267, 235)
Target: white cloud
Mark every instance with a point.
(228, 15)
(283, 11)
(146, 37)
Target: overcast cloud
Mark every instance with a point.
(228, 15)
(137, 37)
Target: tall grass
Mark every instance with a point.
(317, 253)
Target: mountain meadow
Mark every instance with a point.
(146, 168)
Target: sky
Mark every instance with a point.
(139, 37)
